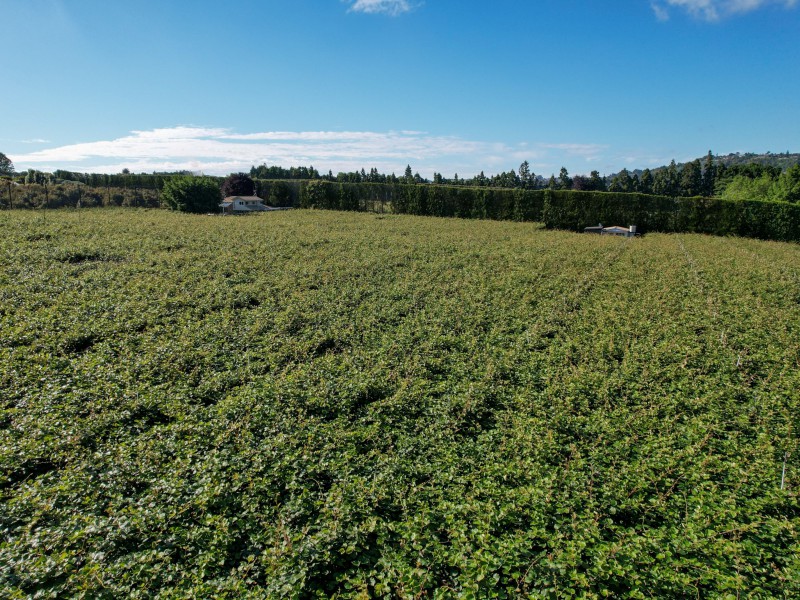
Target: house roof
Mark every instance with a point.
(244, 208)
(249, 198)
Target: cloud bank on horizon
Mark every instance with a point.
(713, 10)
(219, 151)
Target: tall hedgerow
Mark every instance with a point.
(192, 194)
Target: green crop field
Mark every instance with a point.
(316, 404)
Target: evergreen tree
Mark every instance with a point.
(691, 182)
(596, 183)
(580, 183)
(673, 179)
(526, 178)
(709, 175)
(666, 181)
(622, 182)
(646, 182)
(564, 180)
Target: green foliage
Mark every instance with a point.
(751, 218)
(623, 182)
(527, 178)
(392, 406)
(787, 187)
(709, 176)
(744, 188)
(692, 179)
(666, 182)
(275, 172)
(563, 209)
(238, 184)
(192, 194)
(73, 194)
(430, 200)
(646, 182)
(315, 195)
(781, 188)
(778, 161)
(280, 194)
(6, 166)
(564, 180)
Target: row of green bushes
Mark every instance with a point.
(73, 195)
(430, 200)
(752, 218)
(559, 209)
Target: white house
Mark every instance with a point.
(242, 205)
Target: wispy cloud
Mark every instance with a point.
(713, 10)
(662, 14)
(589, 152)
(387, 7)
(221, 151)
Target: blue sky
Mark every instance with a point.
(443, 85)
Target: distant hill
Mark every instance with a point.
(782, 161)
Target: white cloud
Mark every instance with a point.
(387, 7)
(662, 14)
(713, 10)
(221, 151)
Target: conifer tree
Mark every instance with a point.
(692, 179)
(564, 180)
(646, 182)
(709, 175)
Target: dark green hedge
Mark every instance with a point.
(430, 200)
(563, 209)
(754, 218)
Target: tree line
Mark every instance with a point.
(706, 178)
(709, 177)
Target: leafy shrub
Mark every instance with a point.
(238, 184)
(192, 194)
